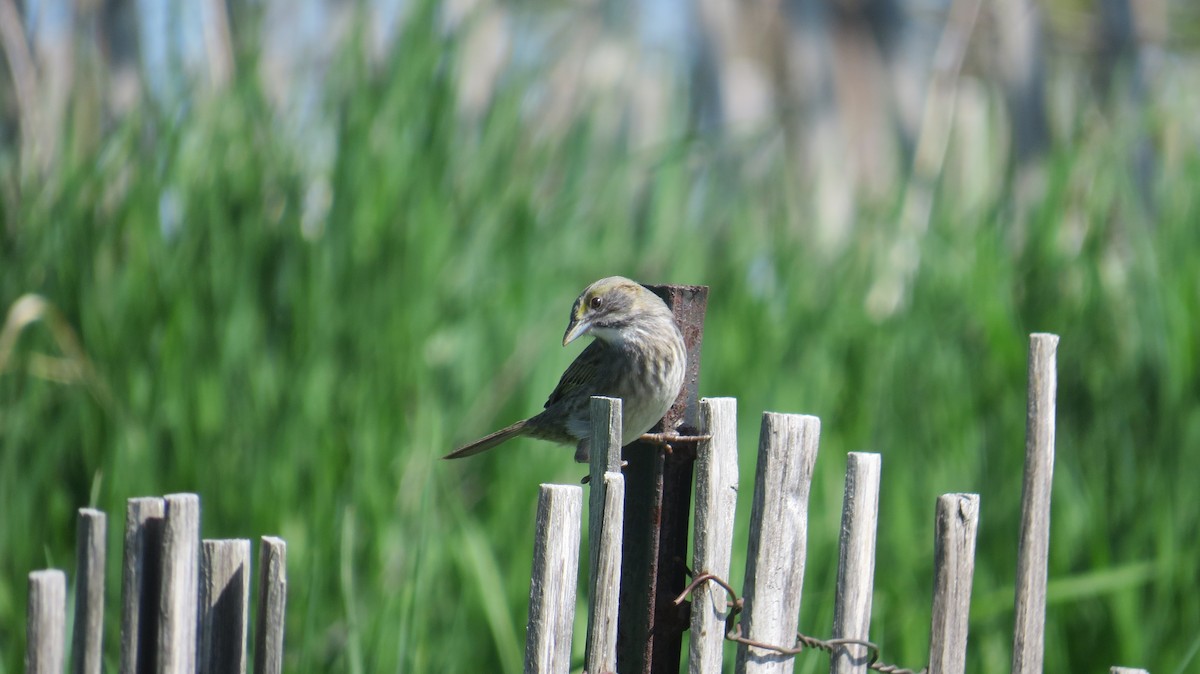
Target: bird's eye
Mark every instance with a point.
(596, 302)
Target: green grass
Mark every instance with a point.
(306, 385)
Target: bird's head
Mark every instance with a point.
(611, 307)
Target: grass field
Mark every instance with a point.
(305, 378)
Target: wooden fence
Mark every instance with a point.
(763, 621)
(184, 602)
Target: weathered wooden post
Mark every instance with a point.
(954, 568)
(1034, 550)
(716, 502)
(272, 599)
(552, 587)
(140, 578)
(856, 562)
(606, 521)
(658, 498)
(224, 606)
(775, 556)
(179, 585)
(46, 630)
(89, 592)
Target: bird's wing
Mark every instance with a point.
(581, 371)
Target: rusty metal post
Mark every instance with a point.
(658, 502)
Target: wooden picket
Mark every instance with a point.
(712, 545)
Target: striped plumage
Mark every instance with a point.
(638, 355)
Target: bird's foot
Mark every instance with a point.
(664, 440)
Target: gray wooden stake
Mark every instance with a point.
(956, 523)
(180, 577)
(605, 577)
(716, 503)
(787, 452)
(605, 454)
(140, 584)
(272, 602)
(224, 606)
(46, 629)
(87, 641)
(856, 563)
(1127, 670)
(604, 534)
(1033, 552)
(553, 580)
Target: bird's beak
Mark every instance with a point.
(577, 327)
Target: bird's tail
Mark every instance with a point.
(488, 441)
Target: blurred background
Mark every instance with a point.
(287, 253)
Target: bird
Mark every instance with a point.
(637, 354)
